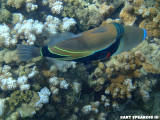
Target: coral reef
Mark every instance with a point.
(15, 3)
(121, 75)
(29, 29)
(5, 37)
(45, 88)
(19, 3)
(150, 14)
(31, 7)
(56, 7)
(5, 15)
(3, 106)
(44, 97)
(87, 15)
(17, 97)
(127, 16)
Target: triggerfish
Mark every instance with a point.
(95, 44)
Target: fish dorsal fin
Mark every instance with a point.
(60, 37)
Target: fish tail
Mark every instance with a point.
(27, 52)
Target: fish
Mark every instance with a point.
(92, 45)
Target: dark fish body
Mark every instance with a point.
(95, 44)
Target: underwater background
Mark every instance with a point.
(47, 89)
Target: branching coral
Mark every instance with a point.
(127, 16)
(119, 75)
(17, 97)
(67, 87)
(15, 3)
(5, 15)
(19, 3)
(136, 8)
(87, 15)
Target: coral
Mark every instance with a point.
(56, 83)
(98, 83)
(33, 72)
(52, 24)
(120, 88)
(63, 66)
(5, 15)
(123, 85)
(56, 7)
(7, 82)
(76, 87)
(31, 7)
(145, 86)
(127, 16)
(67, 23)
(26, 106)
(28, 29)
(93, 107)
(86, 109)
(86, 15)
(63, 84)
(70, 90)
(138, 2)
(10, 57)
(127, 64)
(152, 26)
(5, 37)
(106, 10)
(151, 69)
(109, 20)
(44, 97)
(3, 107)
(19, 3)
(124, 66)
(44, 2)
(17, 18)
(22, 82)
(105, 100)
(137, 8)
(152, 54)
(121, 72)
(17, 97)
(15, 3)
(102, 116)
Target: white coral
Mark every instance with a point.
(28, 29)
(64, 84)
(33, 72)
(6, 38)
(8, 84)
(87, 109)
(22, 82)
(44, 97)
(56, 7)
(67, 23)
(31, 7)
(54, 81)
(52, 24)
(2, 106)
